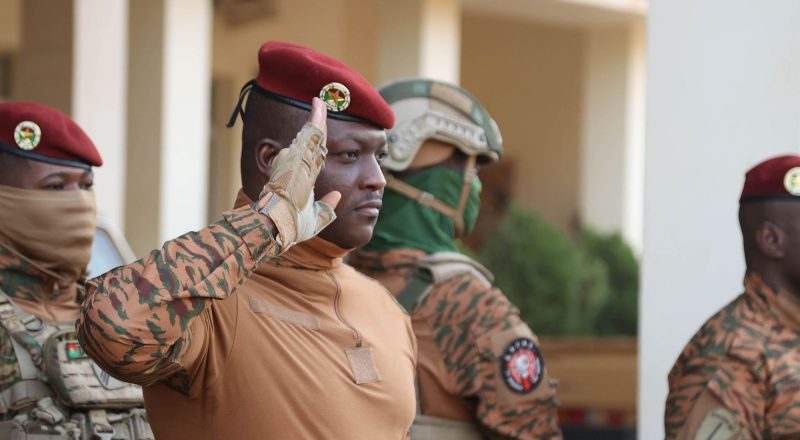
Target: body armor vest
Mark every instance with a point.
(62, 393)
(432, 270)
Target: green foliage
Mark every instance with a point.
(621, 311)
(562, 286)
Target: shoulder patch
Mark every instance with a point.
(522, 366)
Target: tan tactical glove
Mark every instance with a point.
(288, 197)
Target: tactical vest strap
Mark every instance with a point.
(21, 326)
(447, 265)
(438, 268)
(417, 287)
(435, 428)
(22, 394)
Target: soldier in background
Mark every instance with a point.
(480, 371)
(49, 388)
(739, 376)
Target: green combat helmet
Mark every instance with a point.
(432, 110)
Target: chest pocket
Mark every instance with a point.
(78, 381)
(289, 316)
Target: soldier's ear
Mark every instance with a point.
(771, 240)
(266, 150)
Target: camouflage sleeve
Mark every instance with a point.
(715, 399)
(493, 358)
(9, 366)
(135, 320)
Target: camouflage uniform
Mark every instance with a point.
(739, 376)
(165, 291)
(22, 282)
(250, 341)
(55, 409)
(463, 327)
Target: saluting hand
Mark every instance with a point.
(288, 197)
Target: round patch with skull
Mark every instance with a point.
(522, 366)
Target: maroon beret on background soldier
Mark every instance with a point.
(737, 376)
(777, 178)
(38, 132)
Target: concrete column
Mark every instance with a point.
(612, 159)
(168, 121)
(73, 56)
(145, 121)
(186, 118)
(723, 94)
(419, 38)
(99, 92)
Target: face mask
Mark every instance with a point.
(404, 223)
(52, 230)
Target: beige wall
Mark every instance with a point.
(528, 76)
(10, 30)
(44, 63)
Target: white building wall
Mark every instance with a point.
(186, 117)
(99, 98)
(440, 49)
(612, 159)
(723, 93)
(419, 38)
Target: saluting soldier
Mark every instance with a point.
(49, 388)
(480, 370)
(254, 328)
(739, 376)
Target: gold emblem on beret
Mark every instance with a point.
(27, 135)
(335, 96)
(791, 181)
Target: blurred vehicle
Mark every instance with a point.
(109, 250)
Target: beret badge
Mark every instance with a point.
(335, 96)
(27, 135)
(791, 181)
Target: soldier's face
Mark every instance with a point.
(352, 167)
(30, 174)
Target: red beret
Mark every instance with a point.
(776, 178)
(38, 132)
(295, 74)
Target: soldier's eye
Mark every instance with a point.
(350, 155)
(381, 156)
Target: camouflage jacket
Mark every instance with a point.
(739, 376)
(298, 346)
(156, 298)
(36, 293)
(467, 334)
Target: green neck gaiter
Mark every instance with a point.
(404, 223)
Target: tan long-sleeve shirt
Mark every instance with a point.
(306, 348)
